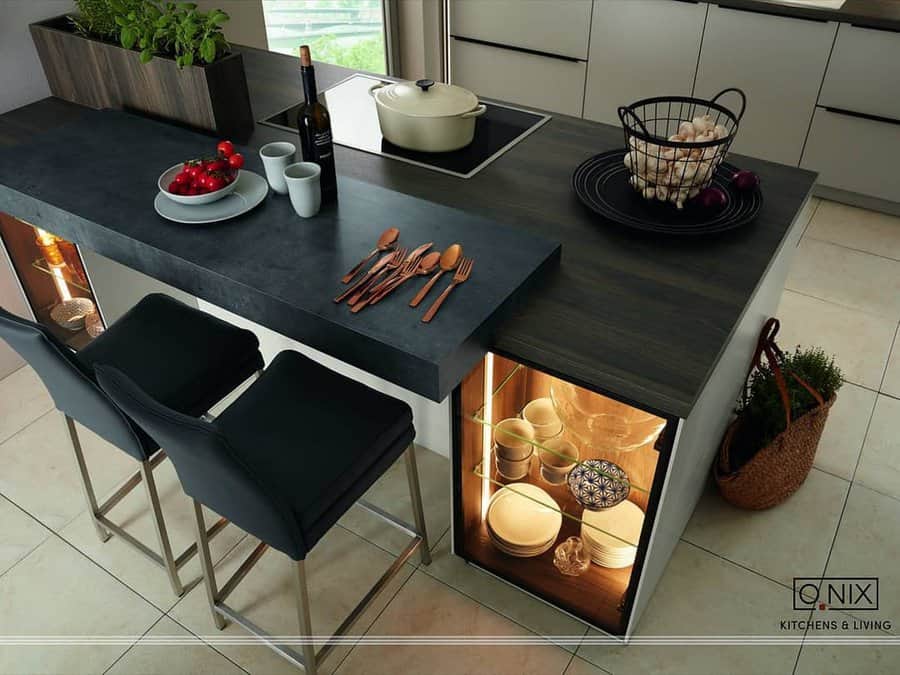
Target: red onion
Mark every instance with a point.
(745, 180)
(712, 198)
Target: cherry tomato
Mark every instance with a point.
(225, 148)
(215, 182)
(193, 191)
(217, 165)
(236, 161)
(194, 171)
(174, 187)
(183, 178)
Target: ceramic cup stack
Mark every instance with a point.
(542, 416)
(523, 520)
(513, 438)
(611, 535)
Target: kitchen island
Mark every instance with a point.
(665, 325)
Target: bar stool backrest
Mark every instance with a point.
(73, 388)
(208, 469)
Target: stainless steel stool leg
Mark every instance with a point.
(309, 649)
(86, 484)
(162, 536)
(209, 575)
(415, 495)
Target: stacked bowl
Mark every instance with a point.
(513, 438)
(611, 535)
(523, 520)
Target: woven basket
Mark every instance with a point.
(775, 472)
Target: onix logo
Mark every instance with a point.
(857, 593)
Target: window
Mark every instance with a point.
(348, 33)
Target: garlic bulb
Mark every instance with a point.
(636, 143)
(683, 171)
(637, 182)
(687, 130)
(649, 192)
(720, 131)
(656, 165)
(703, 124)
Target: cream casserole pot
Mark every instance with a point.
(425, 115)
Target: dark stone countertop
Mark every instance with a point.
(880, 14)
(642, 317)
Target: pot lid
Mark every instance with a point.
(426, 98)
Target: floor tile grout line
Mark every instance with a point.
(888, 362)
(849, 248)
(840, 305)
(737, 564)
(375, 620)
(32, 550)
(205, 643)
(36, 419)
(132, 645)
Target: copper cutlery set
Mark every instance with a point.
(399, 265)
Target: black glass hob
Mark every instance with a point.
(354, 123)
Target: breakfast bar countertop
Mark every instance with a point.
(643, 317)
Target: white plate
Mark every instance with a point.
(622, 521)
(250, 190)
(524, 515)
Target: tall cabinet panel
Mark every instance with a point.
(638, 50)
(779, 62)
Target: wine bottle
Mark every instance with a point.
(315, 129)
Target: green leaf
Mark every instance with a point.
(179, 62)
(144, 42)
(186, 6)
(218, 17)
(146, 56)
(128, 37)
(208, 50)
(120, 21)
(188, 58)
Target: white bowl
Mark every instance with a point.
(169, 175)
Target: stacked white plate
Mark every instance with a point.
(523, 520)
(603, 533)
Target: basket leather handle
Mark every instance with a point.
(743, 96)
(767, 347)
(625, 110)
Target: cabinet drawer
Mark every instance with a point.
(623, 69)
(553, 26)
(864, 72)
(854, 153)
(518, 77)
(779, 62)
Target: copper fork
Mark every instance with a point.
(373, 273)
(392, 264)
(462, 273)
(375, 294)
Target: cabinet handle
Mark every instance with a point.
(865, 116)
(511, 48)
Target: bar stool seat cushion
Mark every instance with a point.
(318, 439)
(186, 359)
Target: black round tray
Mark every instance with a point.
(601, 184)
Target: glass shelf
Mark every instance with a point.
(41, 265)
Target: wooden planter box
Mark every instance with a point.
(99, 74)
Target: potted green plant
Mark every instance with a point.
(165, 59)
(768, 450)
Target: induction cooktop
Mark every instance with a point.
(354, 123)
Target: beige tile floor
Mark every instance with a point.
(730, 575)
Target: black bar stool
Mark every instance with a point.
(185, 357)
(284, 462)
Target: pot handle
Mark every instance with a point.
(478, 112)
(377, 85)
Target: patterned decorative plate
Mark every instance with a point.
(599, 484)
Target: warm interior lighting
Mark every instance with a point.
(55, 262)
(486, 432)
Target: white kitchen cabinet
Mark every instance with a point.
(864, 72)
(854, 154)
(518, 77)
(779, 62)
(558, 27)
(639, 50)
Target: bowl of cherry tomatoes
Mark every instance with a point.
(203, 181)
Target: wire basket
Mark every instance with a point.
(675, 143)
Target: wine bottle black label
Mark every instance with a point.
(322, 141)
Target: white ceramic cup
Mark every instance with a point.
(557, 460)
(543, 418)
(275, 157)
(513, 437)
(303, 187)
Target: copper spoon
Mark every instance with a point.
(426, 266)
(385, 242)
(449, 261)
